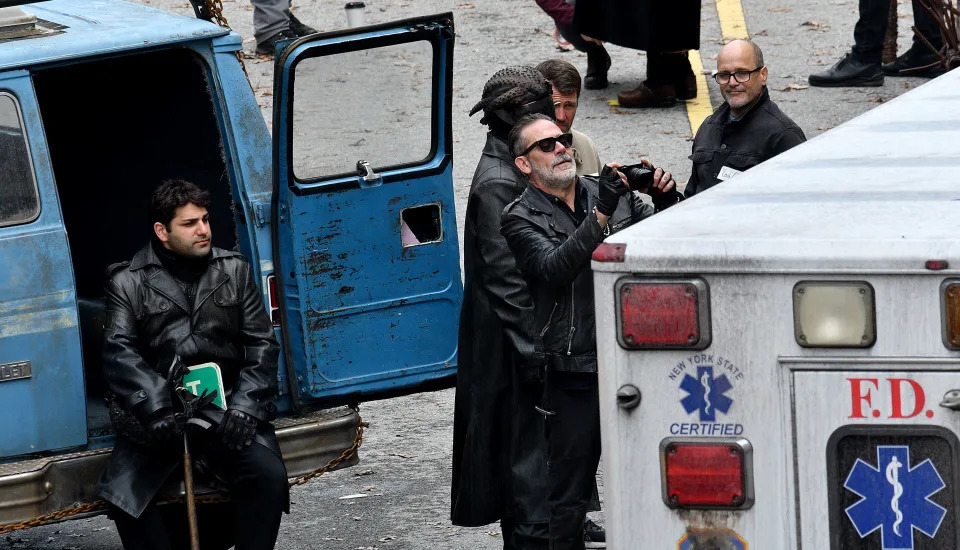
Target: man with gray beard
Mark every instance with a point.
(747, 129)
(552, 230)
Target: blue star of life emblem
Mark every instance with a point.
(706, 394)
(896, 497)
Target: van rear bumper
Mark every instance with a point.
(33, 488)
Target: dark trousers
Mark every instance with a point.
(524, 536)
(573, 453)
(257, 480)
(597, 58)
(872, 25)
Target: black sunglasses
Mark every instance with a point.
(548, 144)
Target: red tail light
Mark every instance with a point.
(274, 301)
(663, 314)
(715, 473)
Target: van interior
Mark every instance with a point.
(117, 128)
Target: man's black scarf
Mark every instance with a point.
(184, 269)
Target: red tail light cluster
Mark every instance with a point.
(714, 473)
(663, 313)
(274, 301)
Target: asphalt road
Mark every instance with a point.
(404, 471)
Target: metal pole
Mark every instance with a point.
(188, 488)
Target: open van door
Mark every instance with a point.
(41, 373)
(365, 236)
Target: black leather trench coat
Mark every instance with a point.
(499, 459)
(149, 317)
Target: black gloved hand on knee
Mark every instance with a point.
(237, 429)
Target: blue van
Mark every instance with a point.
(346, 214)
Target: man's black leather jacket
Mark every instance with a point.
(149, 317)
(554, 255)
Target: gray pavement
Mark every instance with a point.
(404, 472)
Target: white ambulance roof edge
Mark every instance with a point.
(880, 193)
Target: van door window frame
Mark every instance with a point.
(420, 29)
(33, 172)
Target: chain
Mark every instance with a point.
(95, 506)
(100, 505)
(215, 7)
(344, 456)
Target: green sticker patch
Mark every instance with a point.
(205, 377)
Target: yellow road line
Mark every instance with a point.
(698, 108)
(732, 23)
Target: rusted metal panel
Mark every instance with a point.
(366, 311)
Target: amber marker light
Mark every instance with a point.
(951, 314)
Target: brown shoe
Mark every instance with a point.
(664, 95)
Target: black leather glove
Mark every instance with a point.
(611, 188)
(162, 428)
(237, 429)
(662, 201)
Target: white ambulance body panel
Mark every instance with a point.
(850, 447)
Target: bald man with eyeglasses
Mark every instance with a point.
(747, 129)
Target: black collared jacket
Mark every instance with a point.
(762, 133)
(553, 252)
(150, 317)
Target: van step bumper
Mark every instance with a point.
(33, 488)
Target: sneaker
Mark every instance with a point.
(269, 45)
(593, 535)
(298, 28)
(849, 71)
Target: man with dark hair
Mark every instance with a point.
(565, 80)
(180, 296)
(552, 230)
(498, 449)
(862, 67)
(747, 129)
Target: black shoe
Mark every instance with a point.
(269, 45)
(849, 71)
(598, 63)
(911, 61)
(298, 28)
(593, 535)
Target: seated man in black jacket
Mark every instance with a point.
(747, 129)
(552, 230)
(180, 295)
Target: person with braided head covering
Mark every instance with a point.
(499, 451)
(509, 95)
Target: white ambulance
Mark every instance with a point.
(779, 356)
